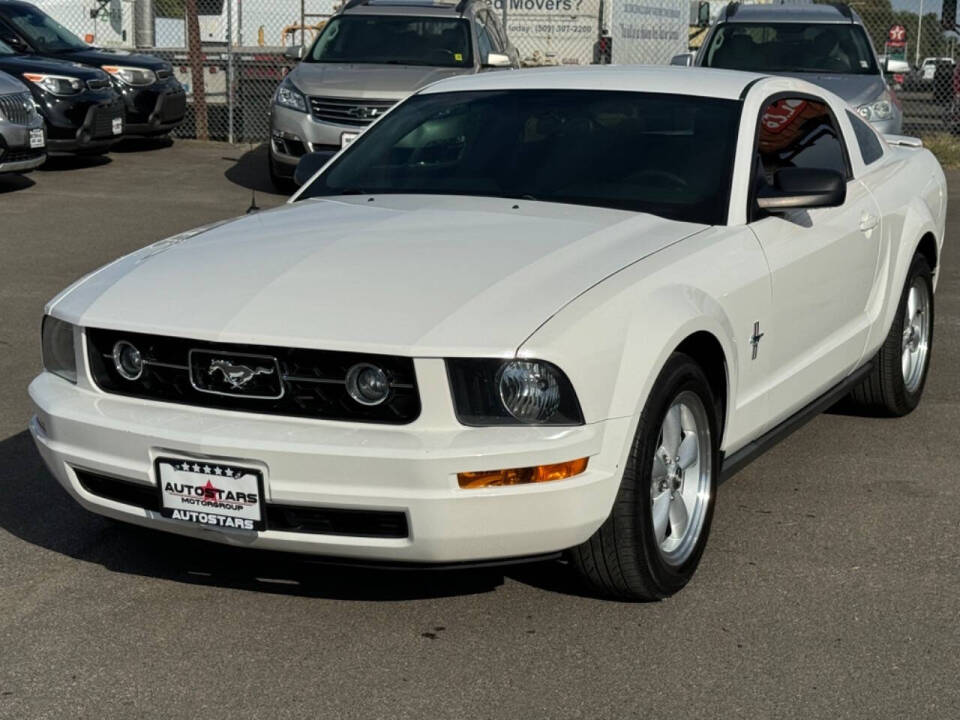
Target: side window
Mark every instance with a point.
(799, 132)
(871, 148)
(485, 44)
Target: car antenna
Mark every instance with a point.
(253, 196)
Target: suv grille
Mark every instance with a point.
(349, 111)
(98, 84)
(298, 383)
(18, 108)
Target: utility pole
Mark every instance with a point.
(916, 57)
(195, 55)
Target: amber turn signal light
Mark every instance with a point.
(521, 476)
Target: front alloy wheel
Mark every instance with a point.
(651, 544)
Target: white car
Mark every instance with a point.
(523, 313)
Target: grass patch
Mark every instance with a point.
(946, 147)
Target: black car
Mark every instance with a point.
(155, 102)
(83, 112)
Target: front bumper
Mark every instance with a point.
(409, 469)
(153, 110)
(293, 133)
(84, 123)
(16, 155)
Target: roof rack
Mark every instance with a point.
(844, 10)
(732, 9)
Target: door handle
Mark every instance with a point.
(868, 222)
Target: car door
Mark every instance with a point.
(822, 261)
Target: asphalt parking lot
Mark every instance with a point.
(829, 587)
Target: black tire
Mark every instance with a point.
(280, 182)
(884, 391)
(622, 559)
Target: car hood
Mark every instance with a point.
(362, 80)
(855, 89)
(402, 274)
(108, 56)
(16, 65)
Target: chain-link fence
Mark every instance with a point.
(231, 54)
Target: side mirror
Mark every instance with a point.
(294, 52)
(309, 165)
(685, 59)
(497, 60)
(703, 15)
(803, 188)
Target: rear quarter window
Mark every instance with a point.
(871, 149)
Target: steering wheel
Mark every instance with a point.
(670, 177)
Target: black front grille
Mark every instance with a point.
(121, 491)
(310, 383)
(18, 108)
(349, 111)
(287, 518)
(163, 74)
(98, 84)
(103, 117)
(10, 156)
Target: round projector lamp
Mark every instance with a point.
(530, 391)
(127, 360)
(367, 384)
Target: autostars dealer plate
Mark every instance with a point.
(211, 494)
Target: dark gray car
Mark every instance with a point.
(823, 44)
(368, 57)
(22, 137)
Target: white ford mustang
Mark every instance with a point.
(524, 313)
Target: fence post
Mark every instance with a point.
(231, 82)
(195, 53)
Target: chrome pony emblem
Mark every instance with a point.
(237, 376)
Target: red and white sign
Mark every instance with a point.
(780, 114)
(897, 35)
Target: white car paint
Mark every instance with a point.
(606, 295)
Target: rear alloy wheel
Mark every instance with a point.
(895, 385)
(651, 544)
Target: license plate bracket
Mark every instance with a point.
(216, 494)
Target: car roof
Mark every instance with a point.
(441, 8)
(667, 79)
(819, 13)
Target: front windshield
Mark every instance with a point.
(394, 39)
(669, 155)
(41, 30)
(791, 48)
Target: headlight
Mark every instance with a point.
(288, 96)
(139, 77)
(59, 355)
(511, 392)
(56, 84)
(882, 109)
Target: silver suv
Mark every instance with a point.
(825, 44)
(369, 56)
(22, 137)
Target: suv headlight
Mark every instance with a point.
(59, 353)
(288, 96)
(881, 109)
(56, 84)
(139, 77)
(512, 392)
